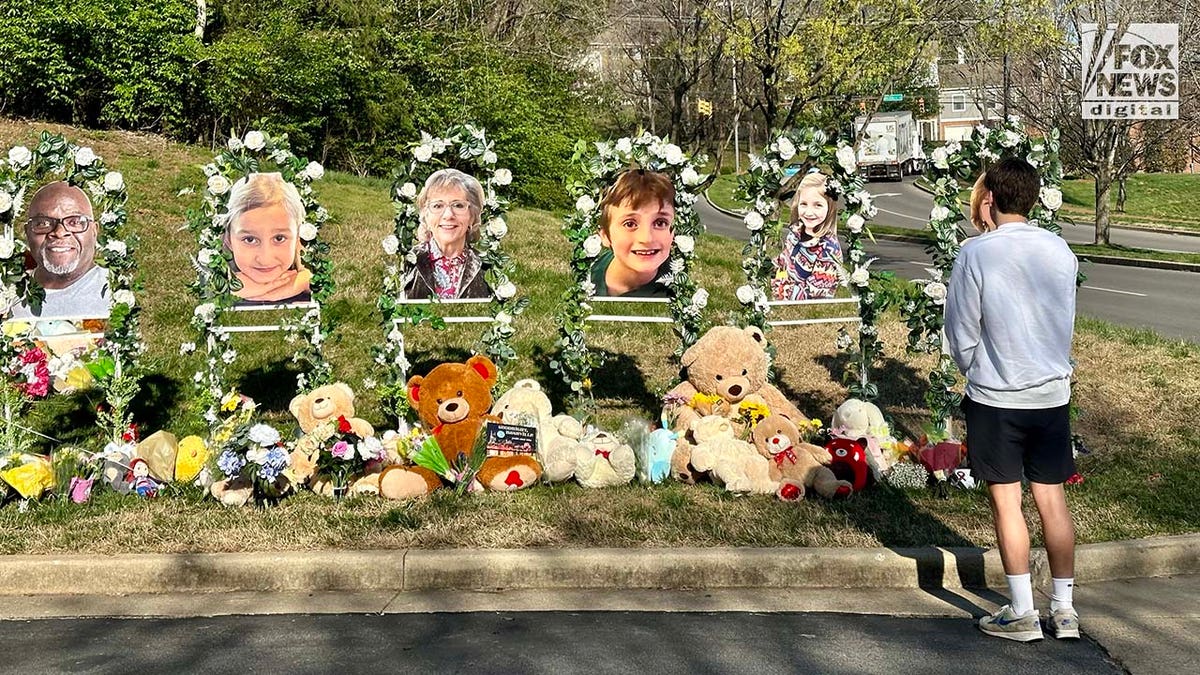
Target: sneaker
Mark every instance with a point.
(1064, 624)
(1006, 624)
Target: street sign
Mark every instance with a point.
(893, 97)
(704, 107)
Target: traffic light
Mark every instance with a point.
(862, 106)
(704, 107)
(921, 104)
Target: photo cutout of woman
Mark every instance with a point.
(263, 235)
(810, 265)
(451, 207)
(637, 229)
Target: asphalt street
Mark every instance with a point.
(1163, 300)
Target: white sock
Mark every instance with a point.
(1020, 588)
(1062, 594)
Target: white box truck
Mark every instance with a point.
(889, 146)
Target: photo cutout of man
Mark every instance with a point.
(61, 234)
(637, 229)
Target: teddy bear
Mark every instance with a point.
(527, 405)
(863, 421)
(314, 412)
(602, 460)
(728, 367)
(795, 465)
(848, 461)
(729, 461)
(559, 457)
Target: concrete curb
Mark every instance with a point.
(528, 569)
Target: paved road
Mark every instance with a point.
(1163, 300)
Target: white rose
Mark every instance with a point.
(502, 177)
(787, 149)
(308, 231)
(114, 181)
(855, 223)
(685, 243)
(845, 157)
(123, 297)
(408, 191)
(754, 221)
(489, 157)
(674, 154)
(5, 201)
(84, 156)
(1011, 138)
(700, 298)
(116, 246)
(689, 176)
(8, 246)
(624, 146)
(234, 144)
(254, 140)
(497, 228)
(423, 153)
(1051, 197)
(506, 290)
(218, 184)
(20, 156)
(940, 158)
(592, 246)
(391, 244)
(937, 291)
(204, 257)
(860, 276)
(504, 318)
(939, 213)
(206, 311)
(585, 204)
(314, 171)
(745, 294)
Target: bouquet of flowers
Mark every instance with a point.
(75, 472)
(344, 454)
(253, 453)
(461, 471)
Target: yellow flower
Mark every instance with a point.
(701, 399)
(587, 383)
(754, 411)
(16, 328)
(79, 378)
(816, 423)
(230, 402)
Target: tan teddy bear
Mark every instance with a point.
(795, 465)
(317, 412)
(730, 462)
(728, 365)
(526, 404)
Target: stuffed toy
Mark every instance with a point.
(527, 405)
(726, 367)
(233, 492)
(602, 460)
(730, 462)
(848, 461)
(190, 459)
(652, 449)
(863, 421)
(795, 464)
(324, 405)
(559, 457)
(139, 479)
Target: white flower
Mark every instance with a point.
(187, 348)
(116, 246)
(855, 223)
(8, 246)
(408, 191)
(1052, 198)
(754, 221)
(423, 152)
(263, 434)
(987, 154)
(5, 201)
(845, 157)
(585, 204)
(1010, 139)
(940, 158)
(114, 181)
(84, 156)
(624, 146)
(204, 257)
(218, 184)
(787, 149)
(936, 290)
(19, 156)
(745, 294)
(700, 298)
(308, 231)
(391, 244)
(689, 176)
(674, 154)
(685, 243)
(939, 213)
(592, 246)
(254, 140)
(860, 276)
(489, 157)
(234, 144)
(589, 288)
(123, 297)
(504, 318)
(257, 455)
(506, 290)
(314, 171)
(497, 228)
(206, 311)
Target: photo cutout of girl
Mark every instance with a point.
(263, 235)
(451, 211)
(810, 265)
(637, 229)
(981, 206)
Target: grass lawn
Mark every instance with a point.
(1136, 392)
(1154, 199)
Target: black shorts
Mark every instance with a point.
(1003, 443)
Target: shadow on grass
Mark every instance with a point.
(619, 378)
(271, 385)
(156, 401)
(425, 360)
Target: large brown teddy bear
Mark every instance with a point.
(795, 465)
(728, 363)
(452, 402)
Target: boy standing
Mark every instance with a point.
(1010, 317)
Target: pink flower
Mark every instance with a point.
(342, 450)
(37, 374)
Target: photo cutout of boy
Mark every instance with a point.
(263, 236)
(637, 229)
(809, 266)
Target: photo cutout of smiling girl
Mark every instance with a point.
(263, 235)
(810, 265)
(637, 228)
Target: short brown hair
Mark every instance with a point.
(638, 187)
(1014, 185)
(820, 181)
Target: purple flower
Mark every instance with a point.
(342, 450)
(230, 463)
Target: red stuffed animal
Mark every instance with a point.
(848, 460)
